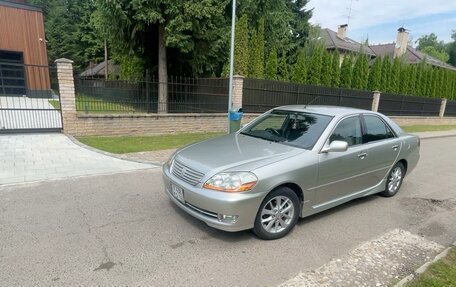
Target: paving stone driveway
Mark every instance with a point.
(36, 157)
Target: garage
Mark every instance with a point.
(12, 76)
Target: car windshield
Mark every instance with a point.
(297, 129)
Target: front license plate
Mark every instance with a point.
(178, 193)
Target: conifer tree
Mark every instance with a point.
(432, 79)
(346, 72)
(412, 90)
(386, 75)
(241, 46)
(315, 66)
(300, 69)
(360, 72)
(404, 79)
(395, 76)
(441, 84)
(259, 67)
(271, 66)
(375, 75)
(284, 74)
(420, 85)
(335, 69)
(253, 55)
(326, 69)
(225, 70)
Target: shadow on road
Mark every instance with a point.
(236, 237)
(331, 211)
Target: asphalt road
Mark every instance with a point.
(122, 230)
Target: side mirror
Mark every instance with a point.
(335, 146)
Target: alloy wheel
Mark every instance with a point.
(277, 214)
(395, 179)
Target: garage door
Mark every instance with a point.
(12, 75)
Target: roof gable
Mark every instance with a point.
(333, 41)
(413, 56)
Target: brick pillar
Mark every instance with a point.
(238, 85)
(67, 93)
(375, 101)
(442, 108)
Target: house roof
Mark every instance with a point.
(333, 41)
(413, 56)
(99, 70)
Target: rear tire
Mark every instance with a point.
(277, 215)
(394, 180)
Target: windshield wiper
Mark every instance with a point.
(259, 137)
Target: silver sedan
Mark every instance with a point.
(290, 162)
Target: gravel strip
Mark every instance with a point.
(375, 263)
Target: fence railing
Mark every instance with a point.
(262, 95)
(402, 105)
(185, 95)
(193, 95)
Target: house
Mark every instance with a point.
(401, 48)
(23, 55)
(99, 71)
(339, 40)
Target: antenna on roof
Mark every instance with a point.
(350, 11)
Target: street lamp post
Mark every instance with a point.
(230, 88)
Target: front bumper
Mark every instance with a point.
(206, 204)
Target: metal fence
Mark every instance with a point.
(185, 95)
(29, 99)
(262, 95)
(402, 105)
(194, 95)
(450, 109)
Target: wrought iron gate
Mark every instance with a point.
(29, 98)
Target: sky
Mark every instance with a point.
(378, 20)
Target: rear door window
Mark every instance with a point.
(376, 129)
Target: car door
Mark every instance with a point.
(382, 145)
(342, 173)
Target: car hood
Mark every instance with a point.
(234, 152)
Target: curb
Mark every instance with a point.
(424, 267)
(436, 137)
(75, 141)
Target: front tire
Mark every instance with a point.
(277, 215)
(394, 181)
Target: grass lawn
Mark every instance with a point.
(442, 273)
(126, 144)
(428, 128)
(98, 105)
(55, 104)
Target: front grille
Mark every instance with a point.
(185, 173)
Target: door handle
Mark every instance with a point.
(362, 155)
(395, 147)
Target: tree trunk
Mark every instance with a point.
(162, 72)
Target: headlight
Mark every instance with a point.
(232, 181)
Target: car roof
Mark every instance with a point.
(323, 110)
